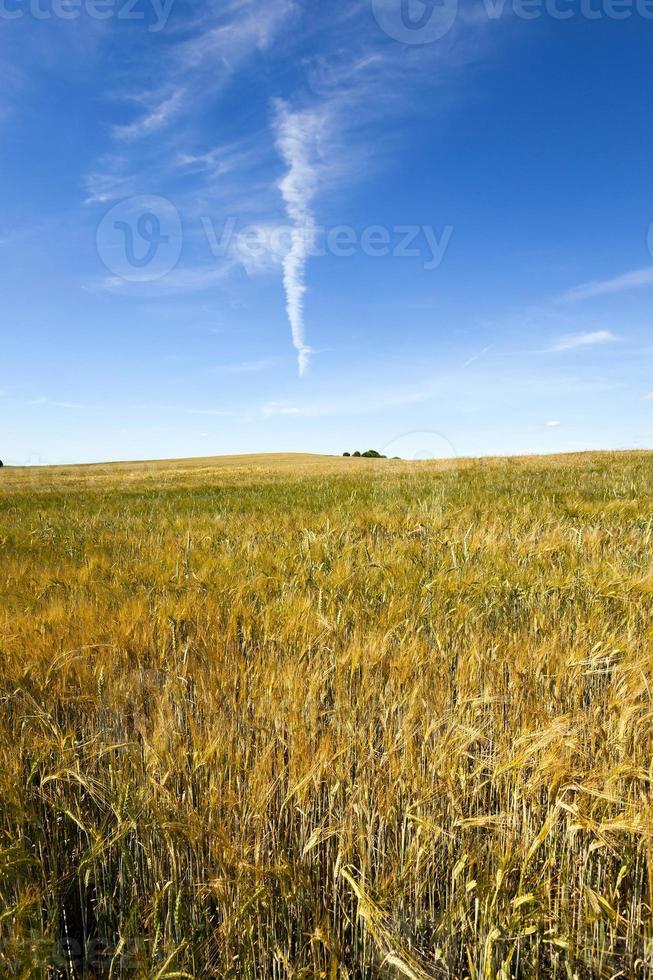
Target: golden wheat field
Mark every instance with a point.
(303, 717)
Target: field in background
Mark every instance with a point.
(297, 717)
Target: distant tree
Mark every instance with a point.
(356, 453)
(372, 454)
(1, 464)
(346, 454)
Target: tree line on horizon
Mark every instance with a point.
(370, 454)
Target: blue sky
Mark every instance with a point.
(290, 226)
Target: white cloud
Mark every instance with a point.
(262, 247)
(648, 397)
(589, 339)
(297, 140)
(109, 183)
(553, 424)
(637, 279)
(157, 117)
(280, 408)
(222, 159)
(352, 80)
(198, 68)
(357, 82)
(248, 26)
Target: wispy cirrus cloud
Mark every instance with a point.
(324, 133)
(587, 339)
(281, 408)
(637, 279)
(320, 127)
(110, 181)
(164, 147)
(221, 159)
(197, 67)
(564, 343)
(157, 116)
(240, 28)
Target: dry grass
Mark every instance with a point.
(291, 717)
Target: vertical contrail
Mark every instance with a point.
(296, 133)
